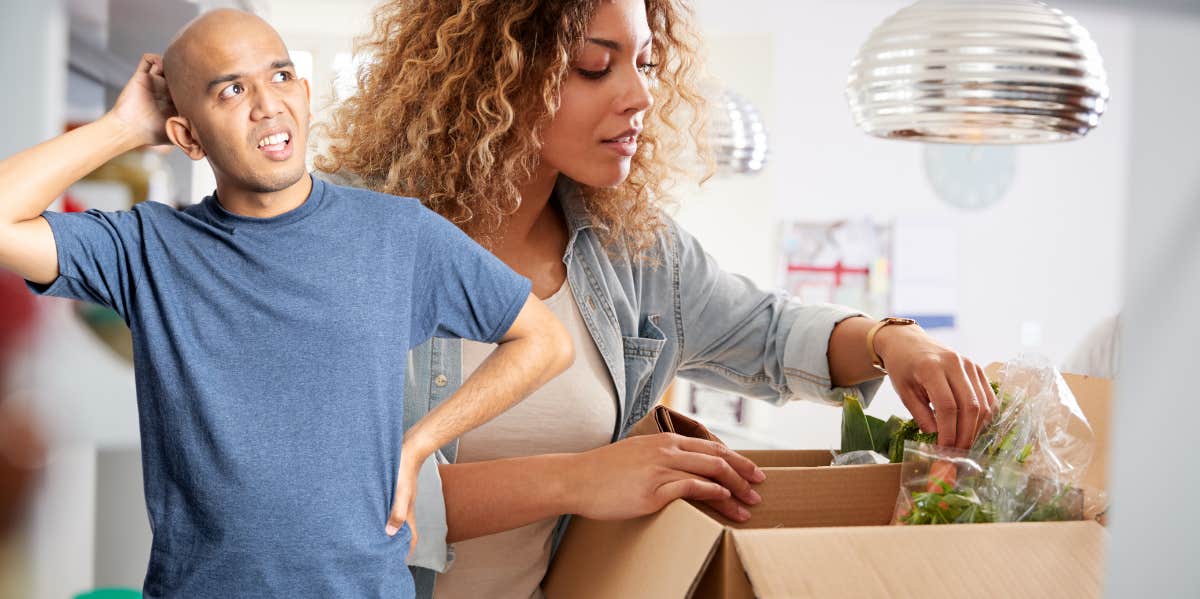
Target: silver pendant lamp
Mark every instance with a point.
(978, 72)
(736, 133)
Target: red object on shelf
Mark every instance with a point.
(17, 309)
(70, 204)
(837, 269)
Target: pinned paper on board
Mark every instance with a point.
(846, 262)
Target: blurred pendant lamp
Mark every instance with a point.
(978, 72)
(736, 133)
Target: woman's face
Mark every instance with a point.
(603, 99)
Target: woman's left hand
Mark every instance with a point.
(944, 391)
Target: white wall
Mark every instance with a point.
(1155, 537)
(1048, 254)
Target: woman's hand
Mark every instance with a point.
(641, 475)
(944, 391)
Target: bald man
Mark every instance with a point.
(271, 324)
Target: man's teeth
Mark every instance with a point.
(271, 140)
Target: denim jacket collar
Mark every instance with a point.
(570, 197)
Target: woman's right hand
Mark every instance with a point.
(641, 475)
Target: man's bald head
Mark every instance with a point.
(239, 100)
(187, 61)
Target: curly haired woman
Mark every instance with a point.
(550, 131)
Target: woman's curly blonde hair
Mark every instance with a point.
(454, 93)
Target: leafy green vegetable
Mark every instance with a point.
(861, 431)
(950, 506)
(907, 431)
(856, 430)
(1055, 510)
(864, 432)
(1002, 487)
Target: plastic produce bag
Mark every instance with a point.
(1025, 466)
(860, 457)
(942, 485)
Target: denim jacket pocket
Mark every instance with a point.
(641, 356)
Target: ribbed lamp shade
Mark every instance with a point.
(978, 72)
(737, 134)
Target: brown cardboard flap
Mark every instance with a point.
(660, 555)
(788, 458)
(1095, 399)
(1059, 559)
(828, 496)
(725, 577)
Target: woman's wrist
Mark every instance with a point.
(848, 354)
(562, 479)
(888, 338)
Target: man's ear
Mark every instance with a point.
(179, 131)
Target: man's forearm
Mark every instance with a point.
(510, 373)
(31, 180)
(484, 498)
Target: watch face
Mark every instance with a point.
(970, 177)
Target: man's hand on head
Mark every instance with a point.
(145, 104)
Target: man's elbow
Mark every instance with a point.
(560, 347)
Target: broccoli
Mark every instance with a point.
(907, 431)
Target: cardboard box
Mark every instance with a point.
(824, 532)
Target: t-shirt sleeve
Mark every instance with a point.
(459, 288)
(96, 261)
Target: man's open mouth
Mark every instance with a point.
(275, 142)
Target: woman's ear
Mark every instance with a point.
(179, 131)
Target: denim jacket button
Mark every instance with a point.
(440, 380)
(591, 303)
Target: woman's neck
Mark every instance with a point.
(534, 239)
(535, 211)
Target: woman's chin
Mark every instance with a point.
(602, 178)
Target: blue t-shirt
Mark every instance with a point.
(270, 359)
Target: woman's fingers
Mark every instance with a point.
(967, 402)
(714, 495)
(945, 408)
(745, 467)
(718, 470)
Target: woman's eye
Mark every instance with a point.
(232, 90)
(593, 74)
(649, 68)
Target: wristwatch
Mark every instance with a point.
(876, 361)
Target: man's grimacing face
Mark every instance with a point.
(240, 101)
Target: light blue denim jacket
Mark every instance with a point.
(683, 316)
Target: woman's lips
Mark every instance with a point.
(623, 146)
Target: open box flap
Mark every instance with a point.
(1045, 559)
(661, 555)
(828, 496)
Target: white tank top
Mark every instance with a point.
(574, 412)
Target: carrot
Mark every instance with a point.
(942, 472)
